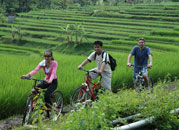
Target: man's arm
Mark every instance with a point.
(83, 63)
(150, 59)
(129, 60)
(102, 67)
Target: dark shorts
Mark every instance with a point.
(136, 70)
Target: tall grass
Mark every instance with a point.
(14, 91)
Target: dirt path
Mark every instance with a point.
(17, 121)
(9, 124)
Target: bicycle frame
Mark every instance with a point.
(139, 79)
(32, 98)
(87, 83)
(34, 92)
(56, 106)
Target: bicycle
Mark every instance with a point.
(56, 98)
(139, 83)
(85, 92)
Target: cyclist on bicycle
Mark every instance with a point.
(103, 68)
(141, 56)
(50, 67)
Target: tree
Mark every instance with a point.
(79, 31)
(86, 2)
(2, 18)
(63, 4)
(16, 30)
(13, 32)
(59, 4)
(76, 30)
(66, 30)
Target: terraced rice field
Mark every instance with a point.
(118, 27)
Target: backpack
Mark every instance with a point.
(112, 63)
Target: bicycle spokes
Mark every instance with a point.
(81, 96)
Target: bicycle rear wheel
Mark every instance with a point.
(28, 110)
(57, 104)
(79, 96)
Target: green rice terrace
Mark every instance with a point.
(70, 33)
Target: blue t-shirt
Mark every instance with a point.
(140, 56)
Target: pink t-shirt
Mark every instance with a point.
(50, 72)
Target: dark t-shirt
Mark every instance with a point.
(140, 56)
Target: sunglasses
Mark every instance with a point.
(47, 55)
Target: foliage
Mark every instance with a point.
(12, 6)
(125, 103)
(112, 106)
(67, 31)
(59, 4)
(38, 114)
(74, 29)
(16, 30)
(85, 2)
(2, 17)
(160, 103)
(86, 118)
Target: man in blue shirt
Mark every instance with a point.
(141, 56)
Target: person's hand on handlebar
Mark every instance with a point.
(25, 76)
(149, 65)
(129, 64)
(79, 67)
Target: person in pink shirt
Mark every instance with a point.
(50, 67)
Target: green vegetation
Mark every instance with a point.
(122, 104)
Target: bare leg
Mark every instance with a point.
(146, 80)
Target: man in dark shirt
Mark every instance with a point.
(141, 56)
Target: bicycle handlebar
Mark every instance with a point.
(87, 70)
(140, 66)
(28, 78)
(83, 69)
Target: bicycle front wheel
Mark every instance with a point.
(79, 96)
(138, 86)
(57, 104)
(28, 110)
